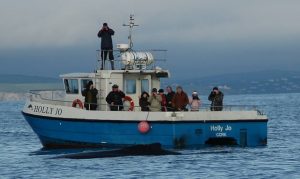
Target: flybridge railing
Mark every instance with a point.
(159, 57)
(57, 97)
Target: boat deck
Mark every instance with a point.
(56, 97)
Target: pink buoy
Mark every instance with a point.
(143, 127)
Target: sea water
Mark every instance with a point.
(22, 156)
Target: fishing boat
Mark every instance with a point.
(59, 117)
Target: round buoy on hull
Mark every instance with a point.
(143, 127)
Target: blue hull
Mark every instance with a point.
(59, 132)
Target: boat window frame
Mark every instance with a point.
(69, 85)
(134, 90)
(148, 85)
(82, 86)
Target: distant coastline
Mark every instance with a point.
(21, 79)
(25, 87)
(16, 87)
(19, 92)
(261, 82)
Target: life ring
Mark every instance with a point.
(77, 101)
(129, 99)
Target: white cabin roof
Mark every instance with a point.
(78, 75)
(161, 73)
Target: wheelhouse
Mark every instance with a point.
(131, 82)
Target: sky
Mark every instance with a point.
(203, 38)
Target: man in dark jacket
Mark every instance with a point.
(106, 45)
(115, 99)
(164, 100)
(169, 96)
(216, 98)
(143, 101)
(90, 94)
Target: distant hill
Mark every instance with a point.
(262, 82)
(246, 83)
(22, 79)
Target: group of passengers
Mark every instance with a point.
(170, 101)
(156, 101)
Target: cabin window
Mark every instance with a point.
(145, 85)
(84, 82)
(130, 86)
(71, 86)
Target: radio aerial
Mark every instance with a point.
(130, 25)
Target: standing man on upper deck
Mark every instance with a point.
(105, 34)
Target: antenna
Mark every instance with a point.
(130, 25)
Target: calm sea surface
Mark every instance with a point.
(21, 155)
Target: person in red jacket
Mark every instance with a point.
(180, 100)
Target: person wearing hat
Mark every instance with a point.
(115, 98)
(195, 101)
(180, 100)
(90, 94)
(105, 34)
(155, 101)
(216, 98)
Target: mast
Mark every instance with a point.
(130, 25)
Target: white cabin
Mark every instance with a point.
(131, 82)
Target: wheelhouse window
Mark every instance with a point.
(71, 86)
(84, 83)
(130, 86)
(145, 85)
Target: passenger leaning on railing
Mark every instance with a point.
(90, 94)
(143, 101)
(216, 98)
(180, 100)
(195, 101)
(169, 96)
(155, 101)
(115, 98)
(164, 100)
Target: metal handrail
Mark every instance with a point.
(203, 107)
(120, 65)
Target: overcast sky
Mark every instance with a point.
(47, 38)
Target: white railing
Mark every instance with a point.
(57, 97)
(159, 56)
(48, 96)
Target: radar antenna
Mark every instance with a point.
(130, 25)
